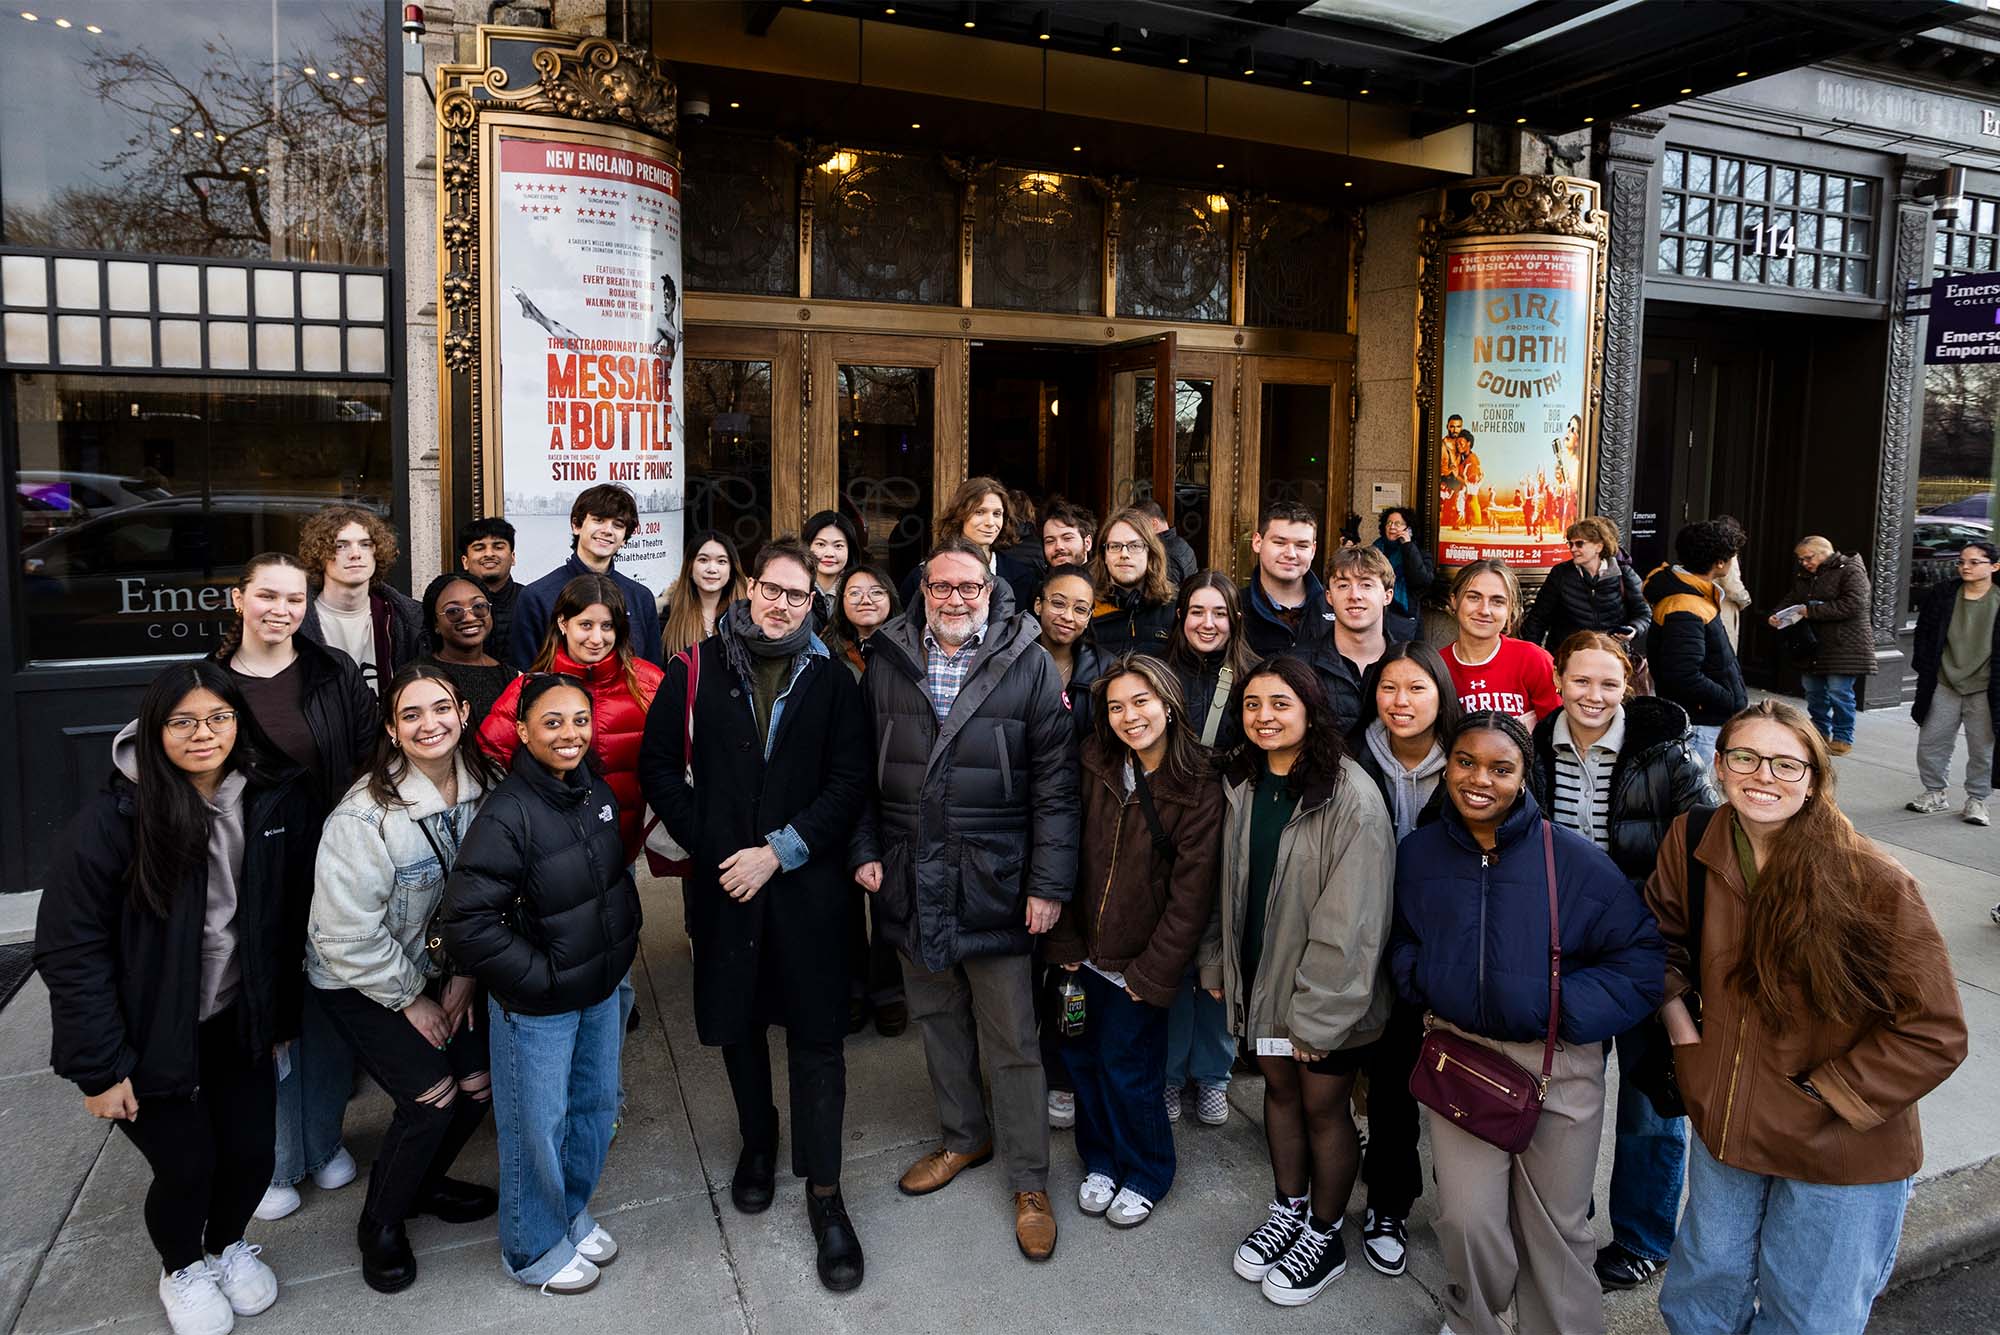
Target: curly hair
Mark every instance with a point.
(317, 534)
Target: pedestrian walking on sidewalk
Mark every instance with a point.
(1617, 768)
(1693, 662)
(1308, 860)
(171, 908)
(1145, 890)
(1958, 637)
(971, 846)
(765, 806)
(1833, 590)
(383, 859)
(1812, 1003)
(1210, 657)
(1412, 707)
(1479, 893)
(540, 909)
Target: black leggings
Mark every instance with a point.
(1309, 1125)
(212, 1154)
(441, 1094)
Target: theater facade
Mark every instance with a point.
(1188, 251)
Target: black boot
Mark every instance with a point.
(387, 1263)
(755, 1181)
(458, 1202)
(840, 1264)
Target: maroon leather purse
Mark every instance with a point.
(1482, 1092)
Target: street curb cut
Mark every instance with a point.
(1952, 1217)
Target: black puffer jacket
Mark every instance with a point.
(1693, 664)
(125, 984)
(1933, 624)
(1570, 601)
(343, 715)
(1656, 777)
(978, 813)
(1836, 598)
(1089, 666)
(1124, 623)
(1198, 681)
(541, 907)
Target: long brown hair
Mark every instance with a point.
(1186, 760)
(391, 762)
(582, 592)
(1236, 653)
(965, 500)
(1155, 588)
(232, 639)
(1818, 921)
(683, 624)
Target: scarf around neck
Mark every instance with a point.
(743, 638)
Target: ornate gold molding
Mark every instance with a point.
(1513, 205)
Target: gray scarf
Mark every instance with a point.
(743, 637)
(1409, 789)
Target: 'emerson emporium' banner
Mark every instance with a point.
(1512, 393)
(587, 275)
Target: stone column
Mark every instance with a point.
(1624, 154)
(1908, 221)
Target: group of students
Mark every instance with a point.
(1318, 847)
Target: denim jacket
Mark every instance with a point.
(376, 885)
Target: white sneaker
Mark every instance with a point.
(598, 1248)
(579, 1276)
(338, 1172)
(1975, 812)
(1094, 1196)
(277, 1203)
(1931, 802)
(245, 1281)
(1128, 1209)
(194, 1302)
(1062, 1109)
(1211, 1104)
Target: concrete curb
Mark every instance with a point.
(1953, 1217)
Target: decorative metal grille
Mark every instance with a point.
(885, 228)
(1741, 220)
(1038, 242)
(1174, 255)
(740, 205)
(1297, 275)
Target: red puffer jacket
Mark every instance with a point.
(618, 722)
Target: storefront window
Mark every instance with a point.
(139, 498)
(194, 128)
(887, 427)
(1038, 242)
(1958, 466)
(1745, 221)
(729, 450)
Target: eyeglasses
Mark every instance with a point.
(1785, 769)
(968, 591)
(1124, 548)
(221, 721)
(860, 595)
(770, 593)
(1972, 562)
(459, 611)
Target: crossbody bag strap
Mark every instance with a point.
(1163, 846)
(1555, 961)
(431, 839)
(1218, 702)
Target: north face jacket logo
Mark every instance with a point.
(604, 812)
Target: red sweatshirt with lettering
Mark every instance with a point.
(1520, 679)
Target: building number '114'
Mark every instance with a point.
(1778, 243)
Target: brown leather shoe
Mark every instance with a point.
(938, 1168)
(1840, 748)
(1034, 1225)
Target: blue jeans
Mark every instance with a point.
(555, 1095)
(1830, 702)
(1703, 738)
(1199, 1046)
(1647, 1163)
(1121, 1120)
(1777, 1257)
(312, 1097)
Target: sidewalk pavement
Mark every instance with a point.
(74, 1256)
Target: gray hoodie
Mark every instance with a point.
(1409, 789)
(221, 973)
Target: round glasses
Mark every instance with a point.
(221, 721)
(1785, 769)
(770, 593)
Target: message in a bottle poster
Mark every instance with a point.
(1516, 370)
(587, 305)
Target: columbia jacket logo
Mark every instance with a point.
(278, 830)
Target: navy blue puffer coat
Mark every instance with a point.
(1471, 933)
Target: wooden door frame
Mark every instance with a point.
(1338, 378)
(945, 358)
(782, 349)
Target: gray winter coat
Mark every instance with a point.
(974, 815)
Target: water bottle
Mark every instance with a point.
(1069, 1006)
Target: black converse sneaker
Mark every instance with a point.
(1385, 1241)
(1270, 1240)
(1315, 1260)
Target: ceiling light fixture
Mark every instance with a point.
(735, 106)
(221, 138)
(356, 78)
(333, 75)
(309, 70)
(916, 125)
(1249, 61)
(63, 23)
(31, 16)
(1686, 91)
(1520, 120)
(173, 129)
(94, 29)
(1220, 165)
(1076, 148)
(201, 134)
(1588, 119)
(1347, 183)
(1472, 111)
(1187, 51)
(1114, 39)
(1635, 106)
(1743, 74)
(1042, 29)
(971, 11)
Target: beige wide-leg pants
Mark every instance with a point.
(1515, 1227)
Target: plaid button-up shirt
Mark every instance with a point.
(944, 674)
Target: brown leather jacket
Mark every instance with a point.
(1130, 914)
(1738, 1080)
